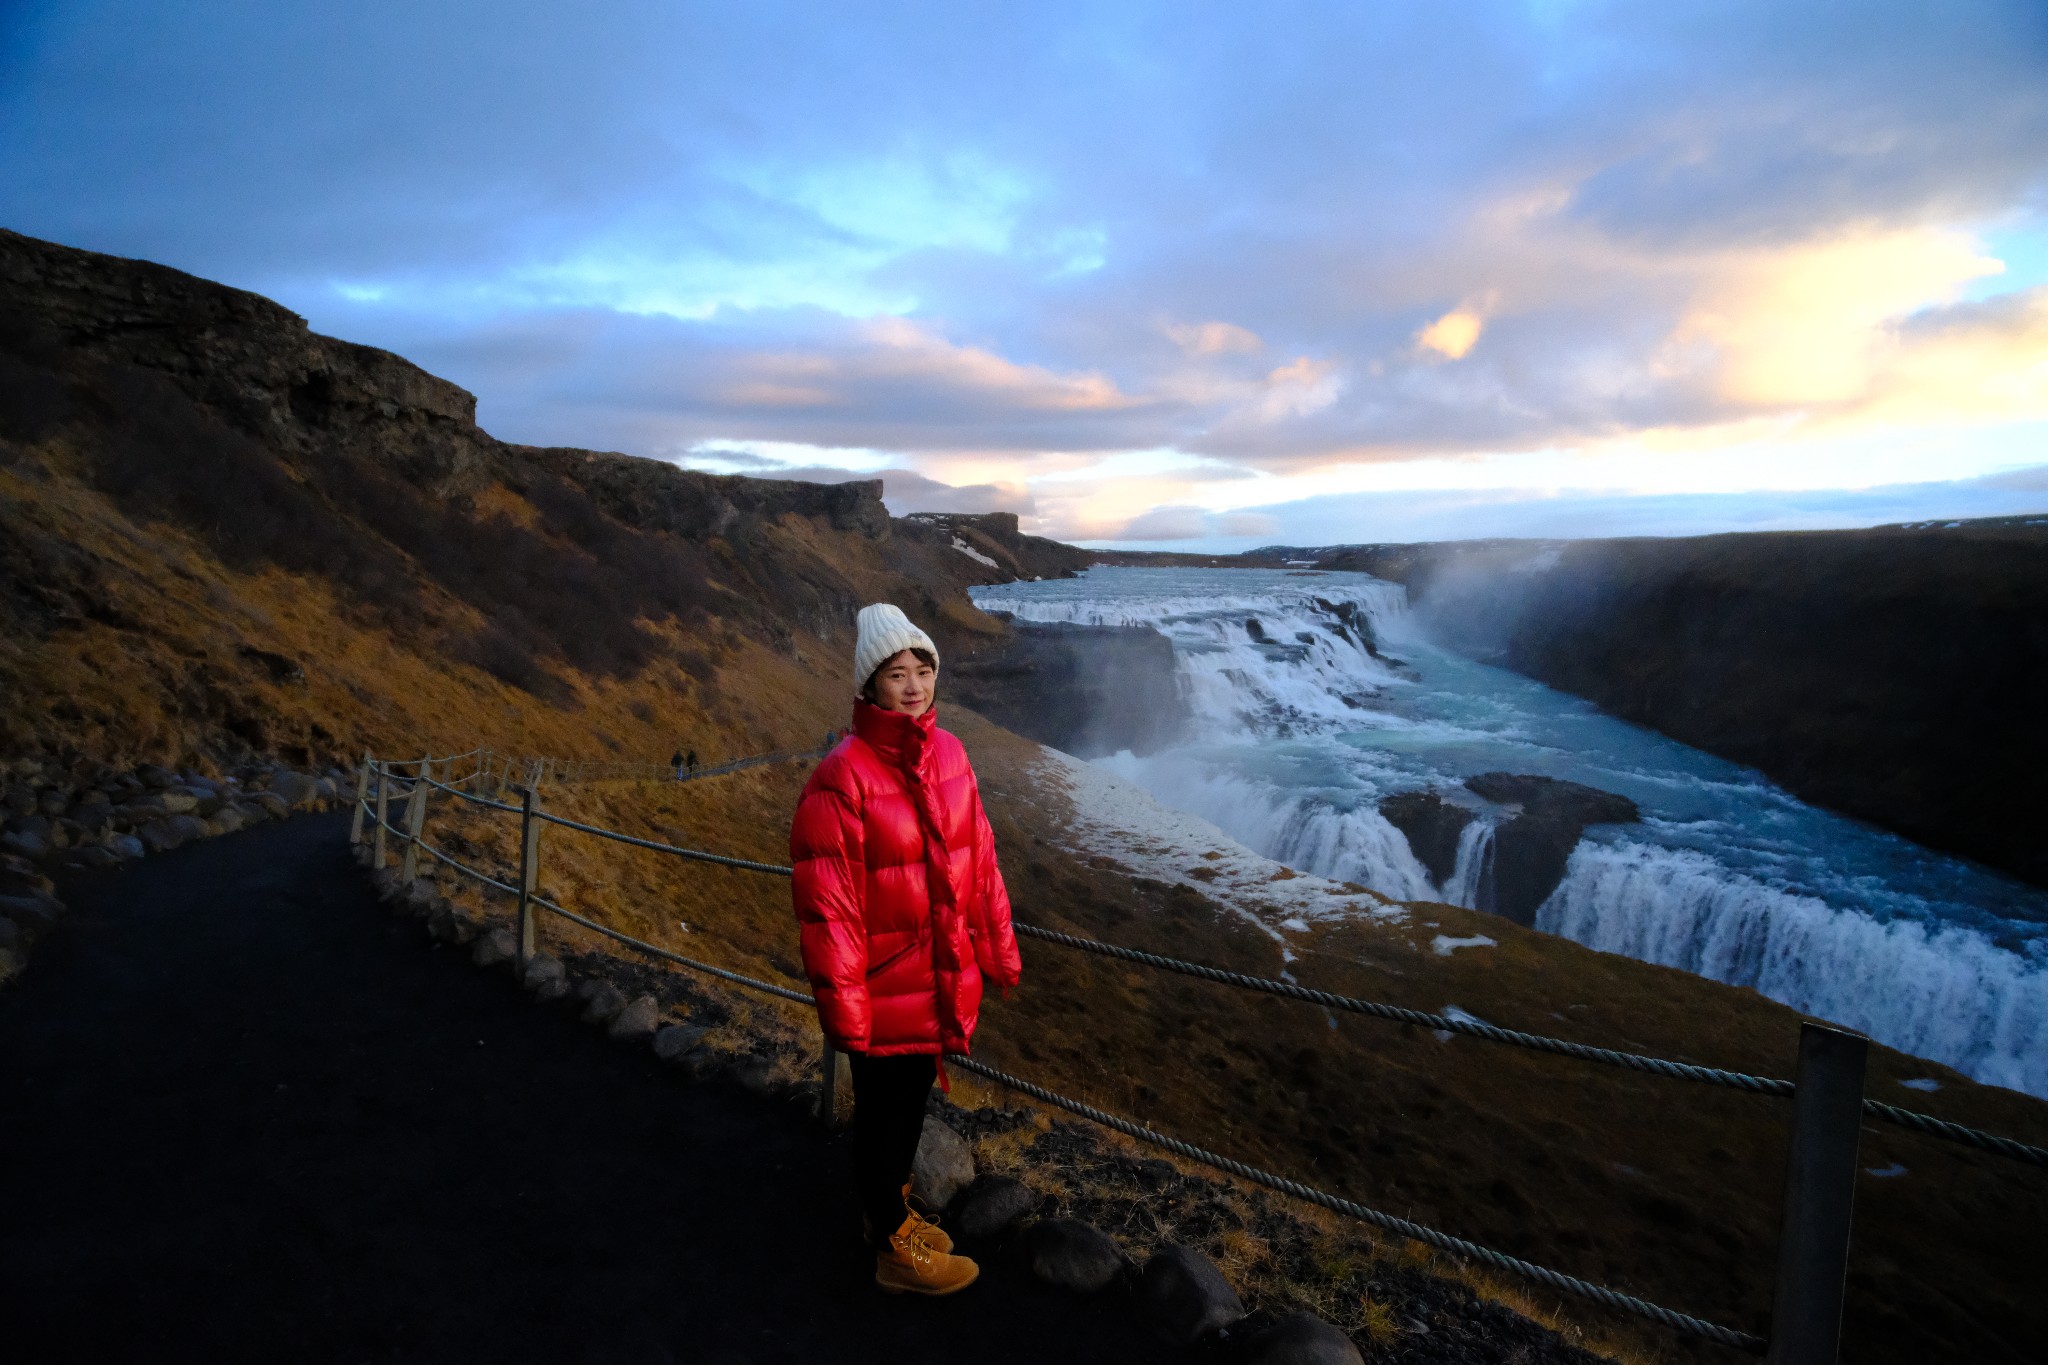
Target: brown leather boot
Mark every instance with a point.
(935, 1236)
(908, 1264)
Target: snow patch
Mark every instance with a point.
(964, 548)
(1445, 945)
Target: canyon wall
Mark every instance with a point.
(1895, 674)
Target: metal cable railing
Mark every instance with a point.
(1555, 1279)
(1442, 1241)
(531, 814)
(1634, 1061)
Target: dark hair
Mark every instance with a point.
(924, 656)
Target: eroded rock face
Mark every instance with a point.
(1086, 690)
(1531, 847)
(1432, 826)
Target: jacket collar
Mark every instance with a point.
(899, 739)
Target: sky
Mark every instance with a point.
(1174, 275)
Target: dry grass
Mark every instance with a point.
(1656, 1187)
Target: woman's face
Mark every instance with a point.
(905, 683)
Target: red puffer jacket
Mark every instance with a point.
(898, 896)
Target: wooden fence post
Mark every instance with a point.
(415, 820)
(383, 805)
(529, 877)
(1820, 1192)
(355, 819)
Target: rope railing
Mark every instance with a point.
(1911, 1120)
(1472, 1028)
(1443, 1241)
(417, 783)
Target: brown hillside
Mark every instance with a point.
(225, 535)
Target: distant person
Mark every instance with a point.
(675, 761)
(903, 916)
(691, 761)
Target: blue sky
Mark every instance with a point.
(1154, 274)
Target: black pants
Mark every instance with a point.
(888, 1117)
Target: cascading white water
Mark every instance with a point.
(1475, 860)
(1300, 729)
(1936, 992)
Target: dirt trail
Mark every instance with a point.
(249, 1115)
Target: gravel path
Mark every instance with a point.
(247, 1114)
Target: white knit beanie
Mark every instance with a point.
(885, 632)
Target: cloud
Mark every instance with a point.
(1213, 338)
(1453, 335)
(1028, 241)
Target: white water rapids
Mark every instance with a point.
(1299, 730)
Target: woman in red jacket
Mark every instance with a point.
(903, 916)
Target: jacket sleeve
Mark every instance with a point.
(829, 888)
(995, 943)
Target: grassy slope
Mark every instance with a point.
(1664, 1188)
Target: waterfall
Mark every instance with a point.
(1941, 992)
(1472, 876)
(1302, 725)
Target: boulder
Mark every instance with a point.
(225, 819)
(1183, 1297)
(496, 948)
(673, 1041)
(38, 825)
(639, 1019)
(10, 935)
(754, 1072)
(602, 1002)
(992, 1206)
(1303, 1339)
(33, 916)
(154, 777)
(165, 833)
(20, 877)
(177, 801)
(92, 855)
(252, 812)
(554, 988)
(1069, 1254)
(446, 925)
(419, 895)
(542, 968)
(19, 798)
(126, 846)
(1531, 848)
(943, 1167)
(25, 845)
(296, 790)
(1431, 825)
(93, 816)
(271, 802)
